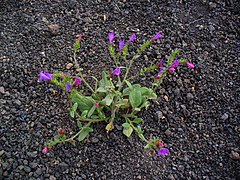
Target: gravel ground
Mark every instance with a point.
(196, 114)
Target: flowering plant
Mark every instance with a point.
(114, 97)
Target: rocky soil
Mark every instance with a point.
(196, 114)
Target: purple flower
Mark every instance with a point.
(163, 151)
(160, 64)
(161, 69)
(68, 87)
(44, 76)
(157, 36)
(190, 65)
(116, 71)
(111, 37)
(132, 38)
(76, 82)
(121, 45)
(175, 63)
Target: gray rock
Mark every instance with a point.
(168, 132)
(33, 165)
(38, 171)
(18, 102)
(2, 90)
(27, 169)
(52, 178)
(189, 96)
(159, 115)
(171, 177)
(234, 155)
(224, 116)
(32, 154)
(94, 140)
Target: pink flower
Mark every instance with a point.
(79, 37)
(190, 65)
(44, 151)
(171, 69)
(96, 104)
(159, 144)
(76, 82)
(111, 37)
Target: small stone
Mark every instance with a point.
(32, 154)
(162, 91)
(39, 171)
(145, 57)
(94, 140)
(184, 44)
(52, 178)
(69, 65)
(84, 176)
(2, 152)
(25, 162)
(139, 177)
(224, 116)
(2, 90)
(180, 168)
(212, 5)
(53, 29)
(18, 102)
(189, 96)
(159, 115)
(171, 177)
(166, 98)
(168, 132)
(27, 169)
(33, 165)
(211, 28)
(234, 155)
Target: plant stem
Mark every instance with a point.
(135, 129)
(73, 137)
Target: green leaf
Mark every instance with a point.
(139, 130)
(144, 46)
(74, 108)
(84, 133)
(84, 103)
(84, 114)
(108, 99)
(136, 86)
(135, 57)
(123, 103)
(129, 84)
(72, 114)
(76, 45)
(112, 51)
(126, 125)
(126, 91)
(135, 98)
(137, 120)
(127, 131)
(172, 57)
(101, 89)
(148, 69)
(91, 111)
(79, 124)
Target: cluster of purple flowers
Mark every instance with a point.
(45, 76)
(172, 68)
(132, 38)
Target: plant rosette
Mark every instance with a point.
(113, 96)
